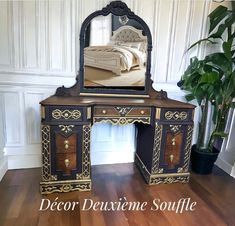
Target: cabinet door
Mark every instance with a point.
(66, 151)
(176, 143)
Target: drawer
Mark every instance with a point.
(66, 162)
(174, 115)
(172, 154)
(66, 144)
(109, 111)
(65, 113)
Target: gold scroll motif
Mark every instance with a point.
(169, 179)
(156, 149)
(65, 186)
(169, 115)
(152, 179)
(66, 128)
(66, 114)
(122, 120)
(123, 111)
(175, 128)
(46, 153)
(187, 149)
(86, 164)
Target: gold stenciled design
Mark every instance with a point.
(65, 186)
(66, 128)
(46, 153)
(161, 178)
(169, 179)
(122, 120)
(43, 113)
(156, 149)
(86, 151)
(176, 115)
(88, 116)
(158, 113)
(66, 114)
(187, 149)
(175, 128)
(123, 110)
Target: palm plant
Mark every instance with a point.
(211, 81)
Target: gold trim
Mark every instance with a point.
(66, 128)
(113, 95)
(169, 179)
(86, 163)
(169, 115)
(66, 114)
(88, 113)
(160, 178)
(65, 186)
(157, 149)
(43, 112)
(169, 175)
(122, 120)
(158, 113)
(193, 111)
(187, 149)
(46, 153)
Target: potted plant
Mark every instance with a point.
(211, 82)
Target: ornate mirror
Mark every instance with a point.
(115, 53)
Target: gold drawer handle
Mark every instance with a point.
(141, 112)
(66, 162)
(173, 141)
(66, 144)
(171, 158)
(104, 111)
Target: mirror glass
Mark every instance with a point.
(115, 53)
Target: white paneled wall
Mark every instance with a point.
(39, 51)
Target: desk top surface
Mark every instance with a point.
(133, 101)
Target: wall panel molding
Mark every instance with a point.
(39, 51)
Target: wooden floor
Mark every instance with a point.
(215, 196)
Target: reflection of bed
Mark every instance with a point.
(127, 50)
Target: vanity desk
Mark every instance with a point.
(164, 125)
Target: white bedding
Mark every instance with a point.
(129, 56)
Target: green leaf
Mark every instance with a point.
(219, 61)
(222, 27)
(210, 78)
(217, 12)
(215, 21)
(220, 134)
(200, 41)
(227, 49)
(189, 97)
(232, 105)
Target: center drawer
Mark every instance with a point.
(122, 111)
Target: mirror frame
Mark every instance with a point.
(117, 8)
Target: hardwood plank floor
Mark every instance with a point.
(214, 195)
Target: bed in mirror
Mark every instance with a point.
(115, 53)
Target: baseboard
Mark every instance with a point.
(24, 161)
(3, 167)
(225, 166)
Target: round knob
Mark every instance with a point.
(104, 111)
(66, 144)
(66, 115)
(66, 162)
(141, 112)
